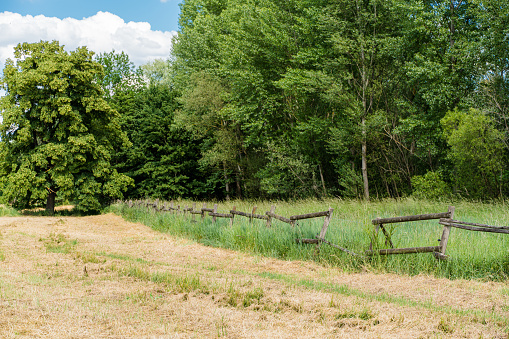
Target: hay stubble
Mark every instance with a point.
(101, 276)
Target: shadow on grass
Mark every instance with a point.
(60, 211)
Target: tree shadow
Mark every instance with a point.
(60, 211)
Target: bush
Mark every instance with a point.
(477, 152)
(429, 186)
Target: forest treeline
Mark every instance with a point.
(283, 99)
(299, 98)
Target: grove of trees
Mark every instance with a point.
(352, 98)
(275, 99)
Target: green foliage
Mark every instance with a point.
(163, 158)
(430, 186)
(350, 182)
(158, 72)
(204, 114)
(336, 85)
(476, 152)
(119, 73)
(288, 174)
(57, 134)
(286, 99)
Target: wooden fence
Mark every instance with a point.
(268, 216)
(439, 251)
(445, 219)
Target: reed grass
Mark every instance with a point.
(473, 255)
(7, 211)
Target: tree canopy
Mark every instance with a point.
(58, 133)
(367, 82)
(277, 99)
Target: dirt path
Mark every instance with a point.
(102, 277)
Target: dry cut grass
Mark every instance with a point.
(100, 276)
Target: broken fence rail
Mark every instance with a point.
(438, 251)
(470, 226)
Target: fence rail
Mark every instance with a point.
(279, 217)
(439, 251)
(309, 215)
(408, 218)
(387, 251)
(475, 227)
(249, 215)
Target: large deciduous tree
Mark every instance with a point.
(58, 133)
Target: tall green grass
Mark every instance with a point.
(473, 255)
(6, 211)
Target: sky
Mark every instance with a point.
(141, 28)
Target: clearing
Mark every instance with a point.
(103, 277)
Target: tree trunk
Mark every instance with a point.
(323, 181)
(365, 110)
(50, 202)
(239, 189)
(364, 161)
(227, 185)
(452, 31)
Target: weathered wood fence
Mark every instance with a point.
(439, 251)
(445, 219)
(268, 216)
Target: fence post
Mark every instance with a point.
(445, 236)
(269, 218)
(252, 213)
(215, 211)
(233, 216)
(202, 211)
(193, 216)
(321, 236)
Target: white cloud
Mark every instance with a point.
(102, 32)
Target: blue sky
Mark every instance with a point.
(142, 29)
(162, 15)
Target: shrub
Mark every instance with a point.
(429, 186)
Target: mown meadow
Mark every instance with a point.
(473, 255)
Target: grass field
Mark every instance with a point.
(104, 277)
(473, 255)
